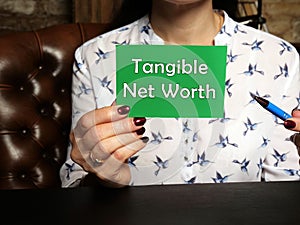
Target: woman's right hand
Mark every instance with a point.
(104, 140)
(294, 125)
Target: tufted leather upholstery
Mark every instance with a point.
(35, 103)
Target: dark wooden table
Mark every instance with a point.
(234, 204)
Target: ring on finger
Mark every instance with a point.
(96, 161)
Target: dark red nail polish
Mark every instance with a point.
(122, 110)
(139, 121)
(289, 124)
(140, 131)
(145, 139)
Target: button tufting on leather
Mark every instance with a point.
(47, 110)
(44, 155)
(24, 131)
(44, 112)
(35, 103)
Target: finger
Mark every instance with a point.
(114, 172)
(296, 113)
(104, 131)
(294, 122)
(124, 153)
(295, 138)
(115, 128)
(80, 157)
(114, 169)
(103, 149)
(99, 116)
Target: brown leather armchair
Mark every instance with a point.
(35, 103)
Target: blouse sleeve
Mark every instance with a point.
(83, 100)
(282, 161)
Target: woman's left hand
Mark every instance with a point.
(294, 124)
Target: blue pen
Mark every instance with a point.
(272, 108)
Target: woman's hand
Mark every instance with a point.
(104, 140)
(294, 124)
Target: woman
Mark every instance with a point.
(248, 144)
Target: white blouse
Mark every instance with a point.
(248, 144)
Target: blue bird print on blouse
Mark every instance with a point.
(123, 29)
(253, 101)
(260, 166)
(191, 181)
(231, 58)
(223, 31)
(277, 121)
(121, 43)
(79, 66)
(213, 120)
(195, 136)
(84, 90)
(186, 141)
(160, 164)
(224, 142)
(70, 169)
(255, 46)
(228, 85)
(258, 94)
(221, 120)
(284, 71)
(284, 96)
(244, 164)
(201, 160)
(186, 128)
(237, 30)
(145, 42)
(219, 178)
(249, 126)
(105, 83)
(292, 172)
(285, 47)
(265, 142)
(101, 55)
(298, 101)
(158, 138)
(146, 29)
(251, 70)
(131, 161)
(279, 157)
(75, 114)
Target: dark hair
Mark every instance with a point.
(131, 10)
(230, 6)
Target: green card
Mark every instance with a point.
(171, 80)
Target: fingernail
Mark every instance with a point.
(145, 139)
(122, 110)
(140, 131)
(289, 124)
(139, 121)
